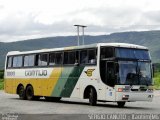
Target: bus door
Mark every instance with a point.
(110, 77)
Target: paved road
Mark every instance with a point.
(12, 104)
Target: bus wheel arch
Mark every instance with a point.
(90, 93)
(21, 91)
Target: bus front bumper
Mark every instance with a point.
(134, 96)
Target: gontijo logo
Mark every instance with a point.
(89, 72)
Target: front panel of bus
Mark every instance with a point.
(128, 72)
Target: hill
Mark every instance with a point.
(150, 39)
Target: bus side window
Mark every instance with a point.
(69, 57)
(9, 62)
(83, 57)
(92, 56)
(107, 52)
(29, 60)
(52, 59)
(17, 61)
(58, 60)
(88, 56)
(43, 60)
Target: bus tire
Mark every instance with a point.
(92, 97)
(21, 92)
(121, 104)
(29, 93)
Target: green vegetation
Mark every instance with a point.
(1, 84)
(157, 80)
(157, 76)
(1, 79)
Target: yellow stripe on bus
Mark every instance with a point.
(41, 86)
(54, 77)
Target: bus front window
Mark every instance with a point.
(144, 71)
(127, 72)
(134, 73)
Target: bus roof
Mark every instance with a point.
(124, 45)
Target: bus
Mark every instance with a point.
(101, 72)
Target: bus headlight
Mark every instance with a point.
(126, 89)
(125, 97)
(120, 89)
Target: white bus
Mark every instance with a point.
(104, 72)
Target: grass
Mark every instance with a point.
(157, 81)
(1, 84)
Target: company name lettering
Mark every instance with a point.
(36, 73)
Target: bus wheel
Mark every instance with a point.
(92, 97)
(121, 104)
(21, 92)
(29, 93)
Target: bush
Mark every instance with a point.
(1, 84)
(157, 80)
(157, 67)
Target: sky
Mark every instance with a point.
(28, 19)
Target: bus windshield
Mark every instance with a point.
(125, 66)
(134, 73)
(132, 53)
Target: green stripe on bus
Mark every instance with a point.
(61, 82)
(71, 81)
(67, 81)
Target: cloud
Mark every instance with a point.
(33, 18)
